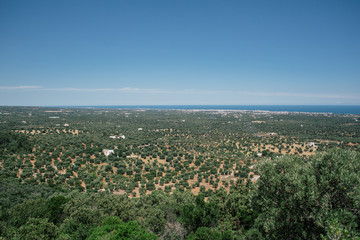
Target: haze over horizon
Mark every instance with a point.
(179, 52)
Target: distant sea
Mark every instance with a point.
(336, 109)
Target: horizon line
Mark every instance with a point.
(221, 105)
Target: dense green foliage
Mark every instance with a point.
(114, 228)
(301, 199)
(13, 143)
(199, 214)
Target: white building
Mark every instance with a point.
(107, 152)
(114, 136)
(311, 144)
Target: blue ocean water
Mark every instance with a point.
(336, 109)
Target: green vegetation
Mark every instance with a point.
(177, 174)
(309, 197)
(11, 143)
(113, 228)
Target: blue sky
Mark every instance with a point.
(179, 52)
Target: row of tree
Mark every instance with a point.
(294, 198)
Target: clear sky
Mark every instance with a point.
(130, 52)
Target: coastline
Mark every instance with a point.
(281, 109)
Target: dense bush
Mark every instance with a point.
(114, 228)
(303, 199)
(14, 143)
